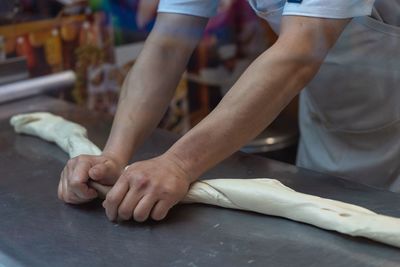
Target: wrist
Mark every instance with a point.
(190, 172)
(120, 151)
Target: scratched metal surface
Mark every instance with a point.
(36, 229)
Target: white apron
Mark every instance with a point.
(350, 113)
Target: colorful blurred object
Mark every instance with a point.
(132, 20)
(64, 42)
(82, 34)
(232, 39)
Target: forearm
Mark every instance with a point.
(253, 102)
(143, 100)
(151, 83)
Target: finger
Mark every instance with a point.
(106, 172)
(60, 187)
(68, 195)
(161, 209)
(143, 208)
(128, 204)
(64, 174)
(102, 190)
(114, 199)
(78, 181)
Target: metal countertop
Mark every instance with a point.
(36, 229)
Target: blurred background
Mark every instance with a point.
(80, 51)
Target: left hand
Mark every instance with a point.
(147, 189)
(73, 186)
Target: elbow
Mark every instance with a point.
(306, 71)
(299, 65)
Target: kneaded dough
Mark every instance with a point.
(263, 195)
(69, 136)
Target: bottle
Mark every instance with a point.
(53, 51)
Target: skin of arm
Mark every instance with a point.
(151, 83)
(260, 94)
(145, 95)
(150, 188)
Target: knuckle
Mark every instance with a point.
(167, 190)
(104, 167)
(105, 205)
(80, 158)
(163, 190)
(110, 199)
(170, 188)
(107, 161)
(71, 161)
(156, 187)
(124, 177)
(141, 181)
(74, 182)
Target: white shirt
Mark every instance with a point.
(272, 10)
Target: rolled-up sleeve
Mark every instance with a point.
(200, 8)
(339, 9)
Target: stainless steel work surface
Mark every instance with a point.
(36, 229)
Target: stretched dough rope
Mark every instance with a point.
(266, 196)
(69, 136)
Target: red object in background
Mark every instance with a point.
(24, 49)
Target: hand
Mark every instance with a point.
(73, 187)
(147, 189)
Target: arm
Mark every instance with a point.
(144, 98)
(151, 83)
(264, 89)
(152, 187)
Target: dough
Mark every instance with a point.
(69, 136)
(266, 196)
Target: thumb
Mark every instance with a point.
(105, 173)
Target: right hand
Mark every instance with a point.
(73, 187)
